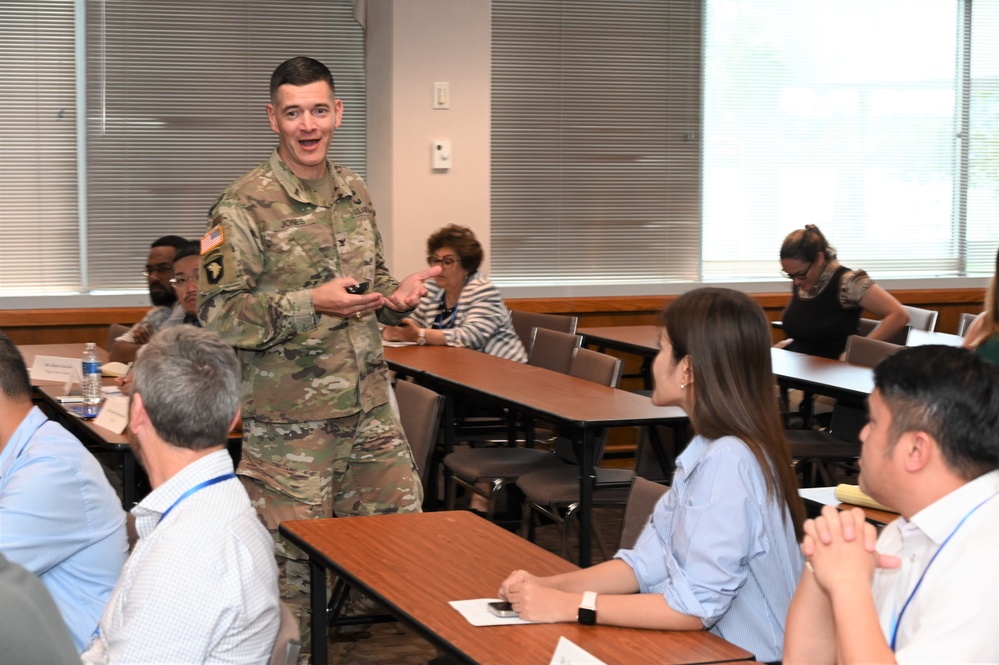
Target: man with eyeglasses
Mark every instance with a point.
(293, 275)
(186, 272)
(158, 272)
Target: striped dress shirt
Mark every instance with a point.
(482, 322)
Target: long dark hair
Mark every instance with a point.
(726, 335)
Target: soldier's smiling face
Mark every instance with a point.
(304, 117)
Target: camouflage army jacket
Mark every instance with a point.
(271, 239)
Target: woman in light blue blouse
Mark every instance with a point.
(720, 551)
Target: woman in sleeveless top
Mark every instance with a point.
(827, 298)
(983, 333)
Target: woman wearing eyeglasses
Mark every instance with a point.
(462, 307)
(827, 298)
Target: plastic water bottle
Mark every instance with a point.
(91, 383)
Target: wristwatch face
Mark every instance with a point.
(587, 617)
(421, 340)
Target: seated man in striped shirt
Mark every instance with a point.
(201, 583)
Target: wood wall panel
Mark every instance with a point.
(44, 326)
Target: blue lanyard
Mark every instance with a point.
(898, 619)
(200, 486)
(441, 323)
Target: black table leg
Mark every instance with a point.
(320, 622)
(587, 479)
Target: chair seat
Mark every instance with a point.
(560, 484)
(478, 463)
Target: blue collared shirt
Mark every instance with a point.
(717, 547)
(60, 519)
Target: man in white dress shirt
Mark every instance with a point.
(201, 583)
(927, 590)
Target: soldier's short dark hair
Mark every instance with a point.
(300, 71)
(14, 381)
(169, 241)
(189, 248)
(189, 380)
(950, 393)
(462, 241)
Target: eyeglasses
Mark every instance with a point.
(798, 275)
(446, 262)
(161, 269)
(181, 283)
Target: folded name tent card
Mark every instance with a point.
(55, 368)
(114, 414)
(568, 652)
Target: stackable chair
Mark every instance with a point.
(500, 467)
(642, 500)
(420, 411)
(554, 492)
(921, 319)
(964, 322)
(524, 324)
(816, 453)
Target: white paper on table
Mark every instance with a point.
(55, 368)
(476, 612)
(570, 653)
(114, 414)
(386, 342)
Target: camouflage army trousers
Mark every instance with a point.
(358, 465)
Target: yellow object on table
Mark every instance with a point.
(851, 494)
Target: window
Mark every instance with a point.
(877, 121)
(174, 97)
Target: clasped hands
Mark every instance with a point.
(332, 297)
(840, 548)
(532, 600)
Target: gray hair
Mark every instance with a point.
(189, 380)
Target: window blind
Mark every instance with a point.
(645, 142)
(39, 251)
(595, 141)
(174, 111)
(854, 116)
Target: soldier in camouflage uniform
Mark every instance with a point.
(284, 241)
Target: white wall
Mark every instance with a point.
(410, 45)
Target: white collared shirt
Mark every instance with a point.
(200, 586)
(954, 615)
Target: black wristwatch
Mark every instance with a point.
(588, 609)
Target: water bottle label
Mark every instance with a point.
(92, 367)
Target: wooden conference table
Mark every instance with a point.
(575, 404)
(821, 376)
(134, 482)
(85, 430)
(641, 341)
(415, 563)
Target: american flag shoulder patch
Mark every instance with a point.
(211, 240)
